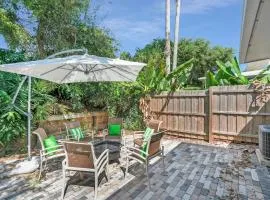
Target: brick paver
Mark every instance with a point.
(205, 172)
(193, 171)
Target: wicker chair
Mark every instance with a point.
(153, 150)
(114, 138)
(81, 157)
(44, 155)
(76, 124)
(138, 135)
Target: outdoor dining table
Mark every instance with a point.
(114, 148)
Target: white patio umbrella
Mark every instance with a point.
(71, 69)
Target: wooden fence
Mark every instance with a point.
(221, 113)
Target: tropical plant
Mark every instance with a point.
(228, 73)
(154, 79)
(11, 122)
(203, 54)
(264, 76)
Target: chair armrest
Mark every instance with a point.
(135, 151)
(137, 133)
(70, 137)
(102, 161)
(45, 153)
(64, 163)
(105, 132)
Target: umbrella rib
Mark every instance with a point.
(68, 74)
(123, 70)
(91, 69)
(120, 74)
(54, 69)
(103, 68)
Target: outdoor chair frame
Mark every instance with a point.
(119, 138)
(75, 124)
(81, 157)
(153, 149)
(138, 135)
(44, 155)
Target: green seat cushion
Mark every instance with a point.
(114, 129)
(146, 137)
(77, 133)
(50, 144)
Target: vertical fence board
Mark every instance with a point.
(232, 113)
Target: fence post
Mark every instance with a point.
(210, 115)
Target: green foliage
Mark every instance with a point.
(7, 56)
(264, 76)
(204, 56)
(154, 49)
(11, 122)
(125, 56)
(227, 74)
(57, 25)
(14, 33)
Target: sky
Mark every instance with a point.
(136, 23)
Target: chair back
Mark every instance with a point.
(79, 155)
(154, 143)
(154, 124)
(41, 134)
(115, 121)
(71, 125)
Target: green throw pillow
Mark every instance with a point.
(146, 137)
(114, 129)
(76, 133)
(50, 144)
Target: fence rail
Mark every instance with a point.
(220, 113)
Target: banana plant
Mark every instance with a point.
(179, 77)
(264, 76)
(154, 78)
(228, 73)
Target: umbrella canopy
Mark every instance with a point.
(255, 41)
(77, 68)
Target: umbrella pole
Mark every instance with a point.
(29, 119)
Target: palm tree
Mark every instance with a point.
(176, 32)
(167, 34)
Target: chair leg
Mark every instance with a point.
(40, 168)
(127, 165)
(96, 185)
(163, 159)
(64, 184)
(147, 174)
(45, 166)
(107, 173)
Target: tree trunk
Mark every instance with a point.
(176, 32)
(167, 35)
(40, 40)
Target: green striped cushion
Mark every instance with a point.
(76, 133)
(146, 137)
(50, 144)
